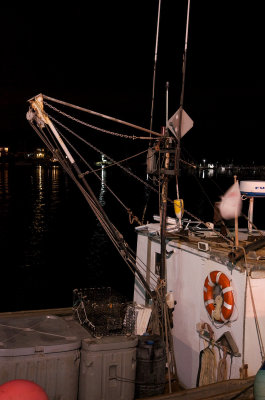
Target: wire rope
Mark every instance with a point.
(108, 157)
(116, 162)
(96, 127)
(100, 115)
(114, 235)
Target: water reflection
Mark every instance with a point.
(4, 202)
(221, 171)
(45, 188)
(206, 173)
(4, 189)
(99, 244)
(102, 192)
(38, 209)
(55, 184)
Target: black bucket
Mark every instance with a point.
(150, 366)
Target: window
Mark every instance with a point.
(157, 263)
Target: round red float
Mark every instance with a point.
(20, 389)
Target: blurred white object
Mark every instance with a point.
(142, 318)
(231, 203)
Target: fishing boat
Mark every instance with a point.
(199, 285)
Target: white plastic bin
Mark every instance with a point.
(107, 369)
(43, 349)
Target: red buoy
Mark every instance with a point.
(21, 389)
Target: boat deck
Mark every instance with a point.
(225, 390)
(250, 252)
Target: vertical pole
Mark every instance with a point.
(177, 155)
(236, 221)
(167, 86)
(163, 212)
(250, 214)
(155, 62)
(163, 216)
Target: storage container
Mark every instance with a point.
(107, 369)
(43, 349)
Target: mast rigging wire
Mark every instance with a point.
(116, 162)
(135, 218)
(154, 71)
(177, 155)
(117, 239)
(126, 170)
(95, 127)
(108, 157)
(100, 115)
(135, 176)
(103, 130)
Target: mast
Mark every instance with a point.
(165, 172)
(164, 195)
(177, 156)
(165, 324)
(155, 62)
(167, 150)
(167, 86)
(163, 211)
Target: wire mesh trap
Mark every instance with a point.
(103, 313)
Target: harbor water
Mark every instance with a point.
(51, 242)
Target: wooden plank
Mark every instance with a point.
(221, 390)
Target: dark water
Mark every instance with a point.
(51, 243)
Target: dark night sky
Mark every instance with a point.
(100, 56)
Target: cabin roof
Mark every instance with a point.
(209, 244)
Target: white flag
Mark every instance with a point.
(231, 203)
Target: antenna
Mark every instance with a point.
(155, 62)
(167, 86)
(177, 156)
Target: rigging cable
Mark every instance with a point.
(109, 158)
(131, 173)
(129, 211)
(112, 232)
(100, 115)
(93, 126)
(177, 154)
(115, 163)
(154, 71)
(259, 335)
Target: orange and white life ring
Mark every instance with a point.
(227, 304)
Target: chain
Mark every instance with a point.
(109, 158)
(91, 126)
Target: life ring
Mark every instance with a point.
(227, 303)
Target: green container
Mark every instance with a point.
(259, 384)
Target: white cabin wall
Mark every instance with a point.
(182, 277)
(236, 324)
(252, 347)
(187, 270)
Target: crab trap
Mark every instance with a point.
(103, 313)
